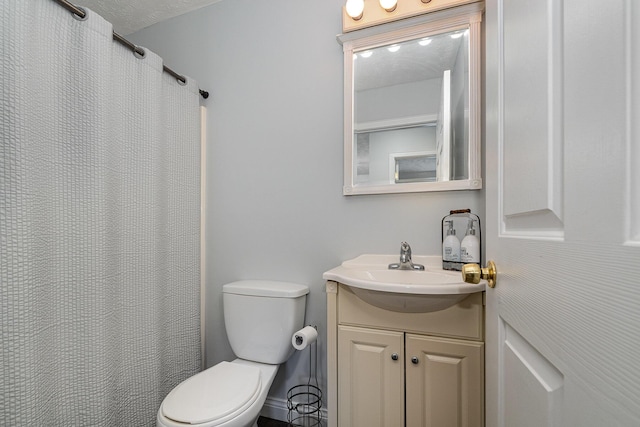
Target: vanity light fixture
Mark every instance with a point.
(389, 5)
(358, 14)
(355, 9)
(425, 41)
(394, 48)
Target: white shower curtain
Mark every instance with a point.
(99, 224)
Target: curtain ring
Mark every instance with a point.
(139, 52)
(79, 17)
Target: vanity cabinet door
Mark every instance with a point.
(370, 377)
(445, 382)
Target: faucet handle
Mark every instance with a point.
(405, 260)
(405, 252)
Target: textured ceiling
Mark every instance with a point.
(411, 63)
(129, 16)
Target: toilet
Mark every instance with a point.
(260, 318)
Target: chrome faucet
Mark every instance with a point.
(405, 260)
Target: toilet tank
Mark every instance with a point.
(261, 316)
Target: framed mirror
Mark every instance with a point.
(412, 104)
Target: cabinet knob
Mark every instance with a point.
(415, 360)
(394, 356)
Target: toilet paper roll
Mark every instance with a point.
(304, 337)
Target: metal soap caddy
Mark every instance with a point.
(304, 401)
(459, 218)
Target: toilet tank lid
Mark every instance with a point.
(266, 288)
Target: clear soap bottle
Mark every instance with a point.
(451, 245)
(470, 246)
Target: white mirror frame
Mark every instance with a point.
(467, 16)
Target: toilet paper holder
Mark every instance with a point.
(304, 401)
(304, 337)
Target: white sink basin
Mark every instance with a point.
(406, 291)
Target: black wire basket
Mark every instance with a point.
(305, 401)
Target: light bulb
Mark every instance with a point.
(355, 9)
(425, 41)
(389, 5)
(394, 48)
(366, 53)
(456, 35)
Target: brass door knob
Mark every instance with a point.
(473, 273)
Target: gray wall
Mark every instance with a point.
(275, 208)
(401, 100)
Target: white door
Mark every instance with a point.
(563, 212)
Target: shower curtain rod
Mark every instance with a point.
(135, 49)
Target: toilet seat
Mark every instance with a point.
(213, 396)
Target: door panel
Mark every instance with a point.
(633, 147)
(532, 181)
(563, 211)
(533, 387)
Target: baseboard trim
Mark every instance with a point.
(277, 409)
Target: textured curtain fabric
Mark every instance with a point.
(99, 224)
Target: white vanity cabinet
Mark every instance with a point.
(444, 382)
(392, 369)
(370, 377)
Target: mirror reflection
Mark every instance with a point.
(411, 111)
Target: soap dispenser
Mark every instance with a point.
(468, 251)
(451, 245)
(470, 246)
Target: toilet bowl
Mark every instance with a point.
(229, 394)
(260, 319)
